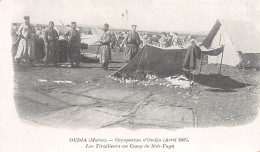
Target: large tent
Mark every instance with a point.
(161, 62)
(241, 41)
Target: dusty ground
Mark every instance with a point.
(93, 100)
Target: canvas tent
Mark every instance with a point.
(93, 37)
(62, 29)
(161, 62)
(241, 41)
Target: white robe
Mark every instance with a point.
(26, 44)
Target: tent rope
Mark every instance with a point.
(202, 56)
(238, 70)
(146, 61)
(138, 65)
(242, 79)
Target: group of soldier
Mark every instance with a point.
(24, 47)
(165, 39)
(25, 36)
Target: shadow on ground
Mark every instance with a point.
(221, 90)
(219, 82)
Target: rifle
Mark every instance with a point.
(98, 50)
(96, 42)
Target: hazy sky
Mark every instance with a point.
(160, 15)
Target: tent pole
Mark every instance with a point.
(146, 62)
(126, 21)
(221, 62)
(190, 78)
(191, 81)
(221, 55)
(202, 56)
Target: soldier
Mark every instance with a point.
(155, 40)
(105, 47)
(144, 38)
(73, 38)
(176, 40)
(163, 40)
(132, 41)
(50, 39)
(26, 47)
(113, 40)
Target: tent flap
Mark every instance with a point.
(153, 60)
(214, 51)
(240, 39)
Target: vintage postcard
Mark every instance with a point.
(130, 75)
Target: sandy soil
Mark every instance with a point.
(94, 100)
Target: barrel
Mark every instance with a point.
(62, 51)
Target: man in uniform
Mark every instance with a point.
(144, 38)
(163, 40)
(26, 47)
(169, 40)
(176, 40)
(155, 40)
(73, 38)
(132, 41)
(113, 40)
(105, 47)
(50, 39)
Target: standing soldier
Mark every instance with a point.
(73, 38)
(132, 41)
(50, 39)
(113, 40)
(105, 47)
(26, 47)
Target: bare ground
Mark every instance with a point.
(94, 100)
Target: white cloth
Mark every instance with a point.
(26, 44)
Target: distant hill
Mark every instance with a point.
(95, 29)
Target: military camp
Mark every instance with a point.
(109, 69)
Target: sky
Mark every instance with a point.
(154, 15)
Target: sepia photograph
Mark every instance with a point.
(157, 65)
